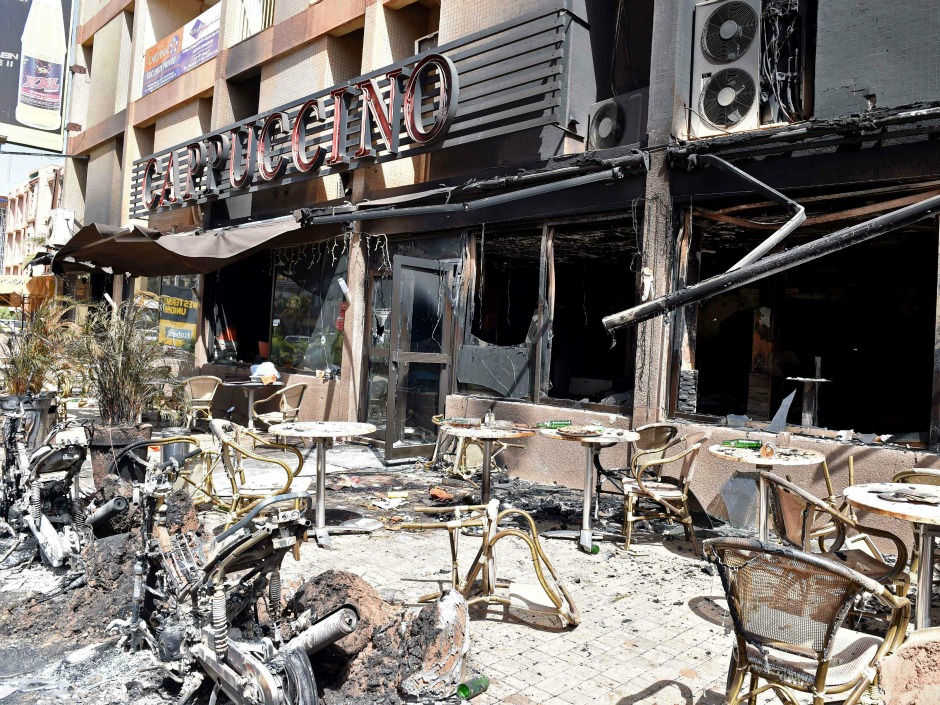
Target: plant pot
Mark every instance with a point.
(109, 441)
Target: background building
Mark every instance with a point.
(33, 220)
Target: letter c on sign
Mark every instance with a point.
(271, 167)
(150, 174)
(448, 91)
(310, 110)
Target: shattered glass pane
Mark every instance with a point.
(417, 400)
(378, 391)
(422, 312)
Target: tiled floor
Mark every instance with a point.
(652, 624)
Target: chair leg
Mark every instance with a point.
(735, 681)
(690, 531)
(752, 696)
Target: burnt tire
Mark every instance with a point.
(300, 686)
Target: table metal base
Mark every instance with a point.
(587, 534)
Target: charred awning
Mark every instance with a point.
(143, 252)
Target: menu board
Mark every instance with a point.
(193, 44)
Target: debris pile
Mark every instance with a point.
(396, 654)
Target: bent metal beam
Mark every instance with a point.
(774, 264)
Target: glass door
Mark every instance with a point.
(414, 368)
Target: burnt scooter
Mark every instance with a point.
(195, 606)
(40, 491)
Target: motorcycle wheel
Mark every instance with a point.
(300, 686)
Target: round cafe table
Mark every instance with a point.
(592, 446)
(323, 433)
(924, 515)
(782, 457)
(486, 435)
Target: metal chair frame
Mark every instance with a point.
(203, 404)
(488, 517)
(637, 449)
(672, 507)
(288, 412)
(839, 524)
(231, 452)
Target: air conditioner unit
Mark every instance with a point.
(619, 121)
(725, 94)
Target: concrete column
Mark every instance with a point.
(355, 332)
(656, 246)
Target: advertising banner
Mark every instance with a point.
(34, 46)
(179, 310)
(193, 44)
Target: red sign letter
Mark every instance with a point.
(414, 97)
(302, 161)
(340, 113)
(242, 157)
(270, 167)
(389, 123)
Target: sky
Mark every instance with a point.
(14, 169)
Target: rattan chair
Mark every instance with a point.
(917, 476)
(250, 485)
(669, 495)
(200, 392)
(788, 609)
(655, 439)
(288, 402)
(796, 514)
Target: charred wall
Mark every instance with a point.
(876, 48)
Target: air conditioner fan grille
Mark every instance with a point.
(729, 32)
(728, 97)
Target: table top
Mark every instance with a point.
(321, 429)
(249, 383)
(485, 433)
(790, 457)
(608, 436)
(866, 497)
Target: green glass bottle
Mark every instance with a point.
(553, 424)
(742, 443)
(473, 687)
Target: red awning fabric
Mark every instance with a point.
(148, 253)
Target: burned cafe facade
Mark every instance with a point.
(719, 213)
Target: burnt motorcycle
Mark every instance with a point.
(195, 605)
(39, 492)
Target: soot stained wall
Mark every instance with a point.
(865, 47)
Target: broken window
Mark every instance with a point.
(499, 352)
(594, 277)
(861, 321)
(512, 346)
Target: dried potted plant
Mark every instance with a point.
(34, 355)
(126, 368)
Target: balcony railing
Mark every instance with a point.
(257, 15)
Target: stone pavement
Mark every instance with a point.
(652, 623)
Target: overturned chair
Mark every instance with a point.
(480, 583)
(788, 609)
(250, 485)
